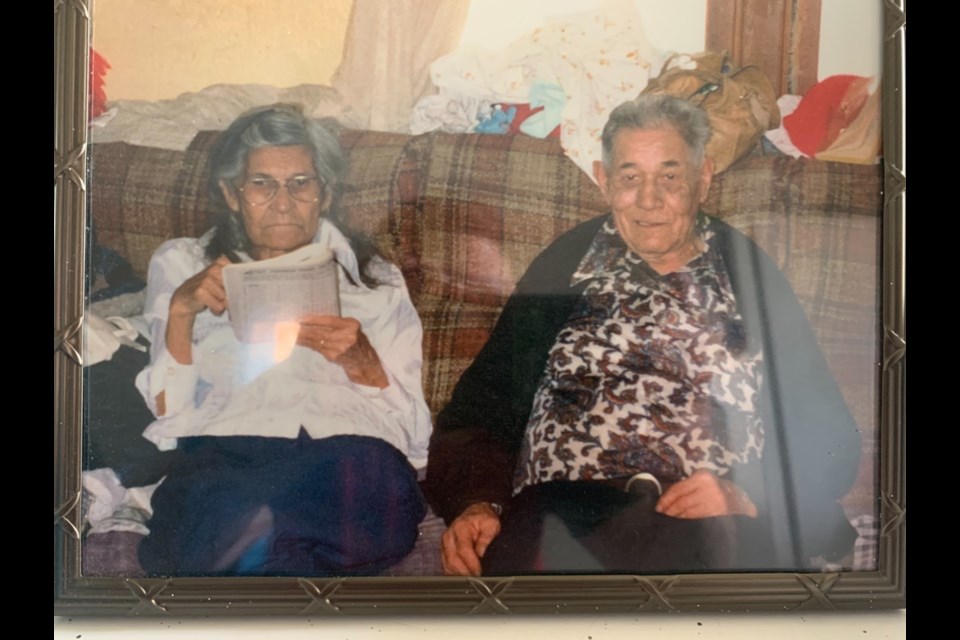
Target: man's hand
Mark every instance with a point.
(704, 495)
(467, 538)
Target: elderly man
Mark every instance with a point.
(652, 398)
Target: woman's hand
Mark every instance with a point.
(341, 340)
(201, 291)
(704, 495)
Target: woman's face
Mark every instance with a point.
(283, 223)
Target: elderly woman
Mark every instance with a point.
(652, 398)
(298, 463)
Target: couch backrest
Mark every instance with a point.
(463, 215)
(820, 222)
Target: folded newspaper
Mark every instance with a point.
(267, 294)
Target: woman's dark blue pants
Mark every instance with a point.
(344, 505)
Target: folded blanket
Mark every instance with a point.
(172, 124)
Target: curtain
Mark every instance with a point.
(387, 54)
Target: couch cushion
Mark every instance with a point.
(141, 196)
(381, 195)
(488, 205)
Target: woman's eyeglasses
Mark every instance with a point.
(259, 190)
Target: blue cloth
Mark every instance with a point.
(553, 99)
(498, 122)
(117, 274)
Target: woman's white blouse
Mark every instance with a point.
(236, 389)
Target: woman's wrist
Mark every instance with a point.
(362, 365)
(179, 308)
(368, 374)
(179, 335)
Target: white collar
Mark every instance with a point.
(330, 237)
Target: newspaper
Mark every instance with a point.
(265, 295)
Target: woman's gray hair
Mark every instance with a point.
(279, 125)
(654, 112)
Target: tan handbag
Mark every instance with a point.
(860, 142)
(741, 103)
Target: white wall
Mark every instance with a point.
(162, 48)
(851, 33)
(823, 625)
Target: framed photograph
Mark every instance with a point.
(435, 173)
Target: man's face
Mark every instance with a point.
(655, 190)
(283, 223)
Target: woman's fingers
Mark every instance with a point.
(330, 342)
(342, 341)
(212, 295)
(213, 286)
(333, 325)
(331, 335)
(203, 290)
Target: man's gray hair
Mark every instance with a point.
(655, 112)
(277, 125)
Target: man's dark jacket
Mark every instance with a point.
(812, 444)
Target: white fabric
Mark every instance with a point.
(787, 104)
(237, 389)
(125, 305)
(112, 507)
(172, 124)
(449, 113)
(599, 58)
(102, 337)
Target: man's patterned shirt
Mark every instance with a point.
(651, 373)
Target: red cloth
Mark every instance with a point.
(98, 93)
(829, 107)
(524, 111)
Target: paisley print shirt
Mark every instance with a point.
(651, 373)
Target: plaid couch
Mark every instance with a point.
(463, 215)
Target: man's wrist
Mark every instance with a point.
(741, 502)
(484, 506)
